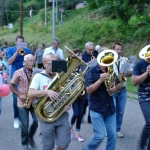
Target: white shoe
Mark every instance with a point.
(16, 123)
(79, 138)
(120, 135)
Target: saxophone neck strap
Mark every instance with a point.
(28, 78)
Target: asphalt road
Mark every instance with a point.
(132, 126)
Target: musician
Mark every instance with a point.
(120, 97)
(87, 56)
(102, 109)
(16, 62)
(22, 78)
(54, 49)
(52, 132)
(141, 78)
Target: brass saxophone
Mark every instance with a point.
(107, 58)
(68, 86)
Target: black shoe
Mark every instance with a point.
(32, 143)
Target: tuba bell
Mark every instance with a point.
(107, 58)
(68, 86)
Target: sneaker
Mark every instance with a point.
(120, 135)
(25, 148)
(16, 123)
(79, 138)
(72, 133)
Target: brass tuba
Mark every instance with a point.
(68, 86)
(107, 58)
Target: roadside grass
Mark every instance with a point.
(132, 97)
(130, 87)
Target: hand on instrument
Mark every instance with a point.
(113, 89)
(104, 76)
(52, 94)
(22, 97)
(67, 107)
(148, 69)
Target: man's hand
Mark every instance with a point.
(52, 94)
(67, 107)
(22, 97)
(103, 77)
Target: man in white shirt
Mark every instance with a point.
(121, 96)
(54, 49)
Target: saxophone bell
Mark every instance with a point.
(107, 58)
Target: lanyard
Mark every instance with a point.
(118, 65)
(25, 71)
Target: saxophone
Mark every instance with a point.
(68, 86)
(107, 58)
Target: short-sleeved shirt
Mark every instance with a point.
(99, 101)
(86, 57)
(143, 88)
(20, 78)
(18, 62)
(39, 54)
(58, 52)
(40, 81)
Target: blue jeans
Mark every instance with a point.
(16, 113)
(0, 105)
(120, 99)
(24, 118)
(145, 135)
(99, 124)
(77, 106)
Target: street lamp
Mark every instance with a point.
(21, 18)
(53, 19)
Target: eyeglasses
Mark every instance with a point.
(90, 49)
(29, 60)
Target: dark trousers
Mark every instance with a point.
(16, 113)
(84, 109)
(24, 118)
(77, 106)
(145, 135)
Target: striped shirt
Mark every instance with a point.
(21, 80)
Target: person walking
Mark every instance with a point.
(16, 62)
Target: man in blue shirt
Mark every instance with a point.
(102, 109)
(16, 62)
(89, 56)
(141, 77)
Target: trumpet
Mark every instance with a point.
(22, 52)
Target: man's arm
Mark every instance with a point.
(136, 80)
(13, 89)
(12, 59)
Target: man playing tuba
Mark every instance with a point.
(57, 131)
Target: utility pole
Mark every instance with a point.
(45, 12)
(56, 10)
(21, 18)
(53, 20)
(7, 16)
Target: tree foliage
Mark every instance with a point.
(123, 9)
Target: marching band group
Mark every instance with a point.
(105, 94)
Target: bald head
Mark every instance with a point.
(50, 56)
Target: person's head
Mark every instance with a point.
(98, 48)
(78, 52)
(118, 48)
(29, 61)
(19, 38)
(5, 44)
(42, 46)
(89, 47)
(55, 43)
(32, 47)
(47, 62)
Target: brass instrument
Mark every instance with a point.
(22, 52)
(68, 86)
(145, 53)
(107, 58)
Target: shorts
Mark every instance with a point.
(56, 132)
